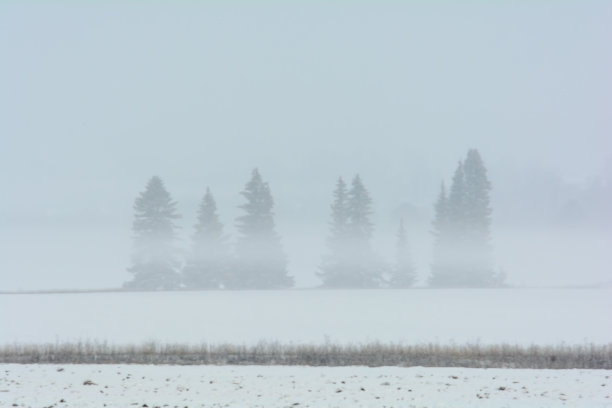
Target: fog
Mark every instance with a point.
(98, 98)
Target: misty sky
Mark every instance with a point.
(97, 98)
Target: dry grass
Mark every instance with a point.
(328, 354)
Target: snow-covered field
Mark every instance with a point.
(318, 387)
(523, 316)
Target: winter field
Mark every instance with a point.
(270, 387)
(458, 320)
(418, 316)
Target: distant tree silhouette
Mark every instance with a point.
(351, 262)
(462, 249)
(339, 215)
(334, 268)
(260, 260)
(208, 264)
(442, 240)
(154, 257)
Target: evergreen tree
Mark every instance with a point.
(403, 274)
(457, 205)
(477, 214)
(462, 252)
(351, 262)
(448, 269)
(440, 222)
(339, 216)
(261, 261)
(359, 207)
(477, 202)
(208, 263)
(154, 261)
(334, 266)
(366, 266)
(441, 231)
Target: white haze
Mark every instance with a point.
(97, 98)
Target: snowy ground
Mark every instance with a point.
(318, 387)
(523, 316)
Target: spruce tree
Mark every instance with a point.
(359, 207)
(154, 260)
(261, 261)
(441, 231)
(462, 251)
(456, 206)
(403, 275)
(440, 222)
(477, 214)
(366, 267)
(208, 263)
(351, 262)
(334, 265)
(339, 214)
(449, 267)
(477, 202)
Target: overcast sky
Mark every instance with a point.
(97, 98)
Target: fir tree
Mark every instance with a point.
(359, 207)
(351, 262)
(441, 231)
(477, 214)
(462, 252)
(440, 222)
(477, 202)
(261, 261)
(333, 268)
(154, 261)
(339, 214)
(366, 266)
(208, 263)
(403, 274)
(448, 269)
(456, 206)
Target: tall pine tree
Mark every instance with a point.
(440, 222)
(462, 251)
(334, 265)
(477, 214)
(359, 207)
(154, 256)
(208, 264)
(261, 261)
(351, 262)
(441, 231)
(339, 214)
(448, 269)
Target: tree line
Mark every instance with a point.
(461, 227)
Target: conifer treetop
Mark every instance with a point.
(259, 217)
(339, 212)
(477, 188)
(155, 210)
(359, 207)
(441, 211)
(154, 261)
(208, 220)
(456, 198)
